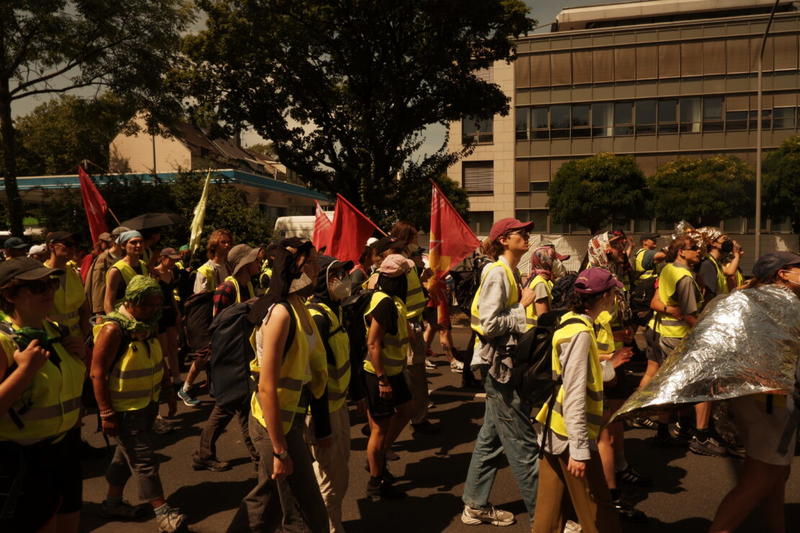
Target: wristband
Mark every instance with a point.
(107, 413)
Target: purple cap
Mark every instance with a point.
(506, 225)
(595, 281)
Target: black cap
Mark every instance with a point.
(25, 269)
(650, 236)
(15, 243)
(383, 244)
(769, 264)
(60, 236)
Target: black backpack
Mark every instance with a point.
(562, 288)
(353, 309)
(534, 363)
(198, 313)
(640, 297)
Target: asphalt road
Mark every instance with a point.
(431, 469)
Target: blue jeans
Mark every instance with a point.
(506, 429)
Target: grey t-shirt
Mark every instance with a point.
(540, 293)
(708, 278)
(686, 295)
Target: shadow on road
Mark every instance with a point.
(210, 497)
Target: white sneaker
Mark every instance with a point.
(490, 515)
(170, 521)
(456, 366)
(430, 365)
(572, 527)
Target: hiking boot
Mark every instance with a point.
(212, 463)
(162, 426)
(187, 398)
(707, 443)
(456, 366)
(631, 476)
(388, 476)
(425, 428)
(490, 515)
(627, 512)
(736, 450)
(379, 489)
(170, 521)
(120, 510)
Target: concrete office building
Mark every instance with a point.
(656, 79)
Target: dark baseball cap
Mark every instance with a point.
(595, 281)
(25, 269)
(383, 244)
(769, 264)
(15, 243)
(650, 237)
(506, 225)
(60, 236)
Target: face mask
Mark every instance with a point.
(727, 247)
(300, 283)
(339, 290)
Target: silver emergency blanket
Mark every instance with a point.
(744, 343)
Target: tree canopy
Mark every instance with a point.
(345, 89)
(597, 190)
(55, 46)
(781, 173)
(703, 191)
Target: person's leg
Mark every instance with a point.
(303, 506)
(215, 426)
(605, 446)
(376, 448)
(485, 456)
(118, 471)
(243, 414)
(331, 465)
(702, 413)
(773, 506)
(417, 377)
(140, 453)
(549, 517)
(590, 497)
(259, 509)
(757, 481)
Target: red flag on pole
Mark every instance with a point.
(350, 231)
(93, 204)
(451, 238)
(323, 227)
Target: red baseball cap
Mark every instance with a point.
(505, 225)
(595, 281)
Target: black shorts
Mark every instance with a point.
(654, 352)
(380, 408)
(623, 386)
(49, 480)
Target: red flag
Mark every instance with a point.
(451, 238)
(93, 204)
(323, 227)
(350, 231)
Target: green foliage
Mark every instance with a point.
(266, 149)
(703, 191)
(345, 89)
(781, 175)
(594, 191)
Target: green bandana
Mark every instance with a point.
(135, 329)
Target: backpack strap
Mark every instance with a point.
(292, 327)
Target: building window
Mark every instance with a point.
(766, 119)
(480, 222)
(540, 186)
(602, 119)
(645, 117)
(712, 113)
(559, 121)
(580, 120)
(522, 115)
(735, 120)
(668, 116)
(477, 130)
(623, 118)
(478, 177)
(691, 113)
(539, 123)
(783, 118)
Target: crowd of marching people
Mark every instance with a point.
(290, 339)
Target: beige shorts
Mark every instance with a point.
(768, 437)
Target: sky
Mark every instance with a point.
(543, 11)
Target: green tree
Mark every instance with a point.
(702, 191)
(345, 89)
(55, 46)
(598, 190)
(781, 172)
(266, 149)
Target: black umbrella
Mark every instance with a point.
(153, 220)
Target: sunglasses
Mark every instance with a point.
(41, 286)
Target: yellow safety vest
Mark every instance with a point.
(667, 325)
(722, 280)
(238, 290)
(127, 274)
(50, 405)
(67, 301)
(415, 298)
(638, 265)
(135, 378)
(594, 380)
(530, 312)
(393, 351)
(605, 334)
(300, 366)
(207, 270)
(512, 298)
(339, 344)
(265, 272)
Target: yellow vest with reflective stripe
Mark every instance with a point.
(207, 271)
(605, 333)
(127, 273)
(512, 298)
(530, 312)
(393, 351)
(415, 298)
(339, 343)
(300, 366)
(67, 302)
(238, 290)
(638, 265)
(722, 280)
(50, 405)
(135, 379)
(594, 380)
(667, 325)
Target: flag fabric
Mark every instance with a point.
(323, 227)
(196, 229)
(451, 239)
(94, 205)
(350, 231)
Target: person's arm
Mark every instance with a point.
(574, 376)
(731, 268)
(112, 284)
(657, 305)
(274, 334)
(687, 300)
(106, 346)
(29, 361)
(496, 318)
(320, 413)
(375, 337)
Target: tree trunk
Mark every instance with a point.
(15, 208)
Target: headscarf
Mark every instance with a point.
(599, 250)
(128, 235)
(139, 288)
(542, 259)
